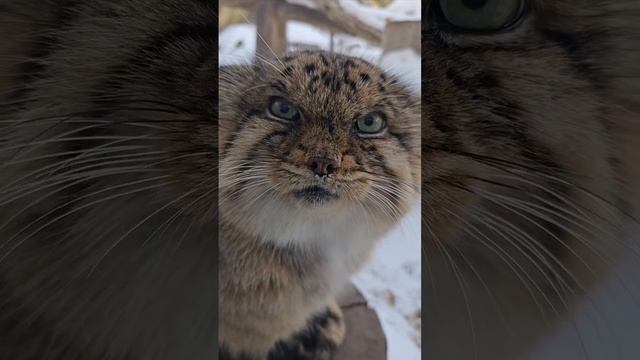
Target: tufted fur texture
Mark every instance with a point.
(108, 155)
(283, 257)
(530, 145)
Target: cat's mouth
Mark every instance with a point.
(316, 194)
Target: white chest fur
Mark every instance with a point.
(344, 237)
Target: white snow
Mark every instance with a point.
(391, 282)
(405, 10)
(237, 44)
(399, 10)
(391, 285)
(405, 64)
(374, 17)
(298, 32)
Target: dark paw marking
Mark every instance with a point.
(318, 341)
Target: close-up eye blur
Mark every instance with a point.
(108, 179)
(188, 180)
(530, 146)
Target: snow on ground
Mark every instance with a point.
(237, 44)
(391, 285)
(391, 281)
(406, 65)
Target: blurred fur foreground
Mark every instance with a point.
(530, 179)
(109, 181)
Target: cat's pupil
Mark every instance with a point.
(474, 4)
(368, 121)
(284, 108)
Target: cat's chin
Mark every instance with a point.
(316, 195)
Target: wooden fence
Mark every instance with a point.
(271, 17)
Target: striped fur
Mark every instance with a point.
(529, 142)
(108, 187)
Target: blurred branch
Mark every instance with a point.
(334, 22)
(349, 23)
(330, 16)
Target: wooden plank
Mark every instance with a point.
(400, 35)
(330, 18)
(364, 338)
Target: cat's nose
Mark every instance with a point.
(322, 166)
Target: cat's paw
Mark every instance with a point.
(324, 333)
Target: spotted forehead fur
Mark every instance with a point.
(334, 86)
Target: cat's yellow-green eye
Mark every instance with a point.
(371, 124)
(481, 15)
(283, 109)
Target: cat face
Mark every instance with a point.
(319, 132)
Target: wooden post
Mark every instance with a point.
(365, 338)
(401, 34)
(271, 30)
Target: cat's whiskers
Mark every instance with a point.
(75, 210)
(506, 257)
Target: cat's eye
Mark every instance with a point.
(371, 124)
(283, 109)
(481, 15)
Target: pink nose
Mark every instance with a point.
(322, 166)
